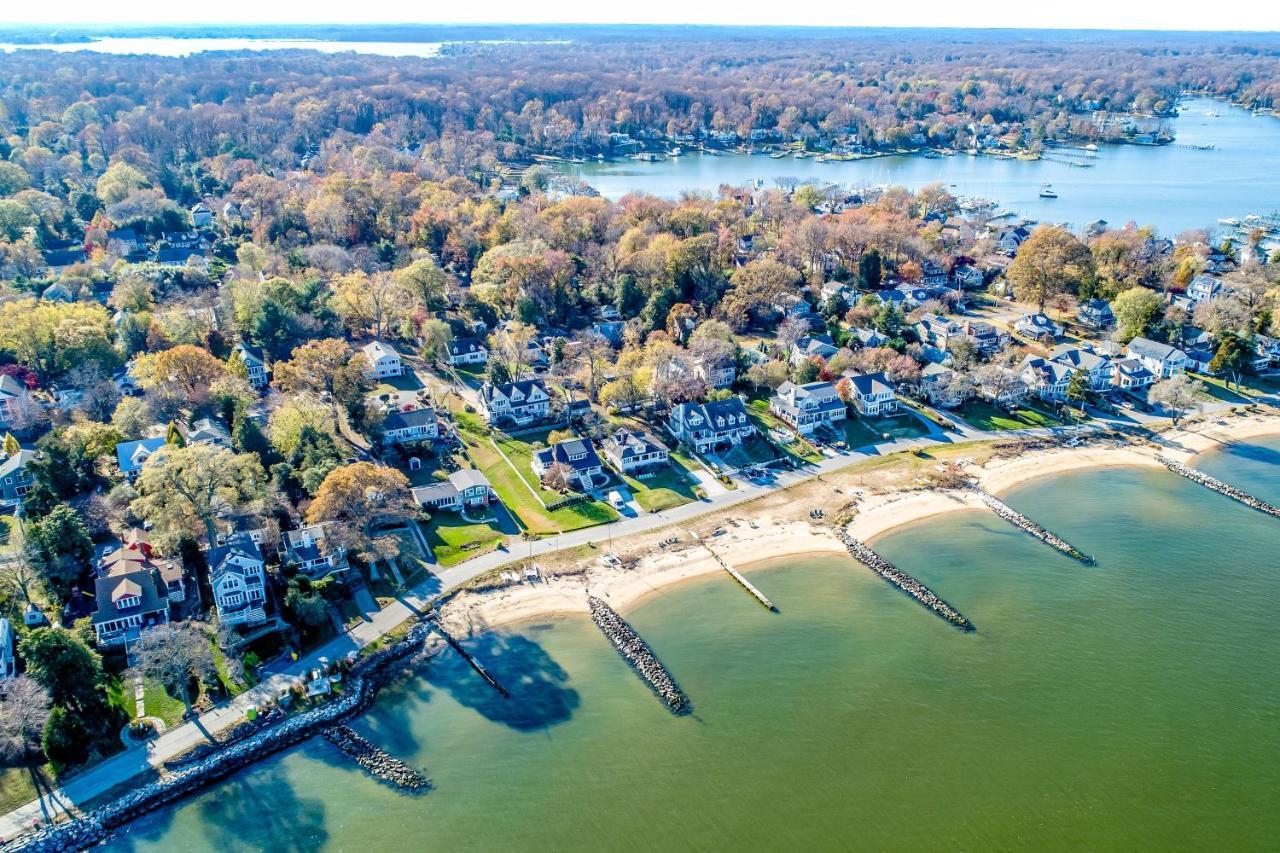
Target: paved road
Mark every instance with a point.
(120, 768)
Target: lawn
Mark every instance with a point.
(15, 788)
(157, 700)
(753, 451)
(10, 535)
(799, 450)
(985, 416)
(414, 567)
(447, 534)
(669, 487)
(1215, 388)
(859, 433)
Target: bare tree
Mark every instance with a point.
(1177, 395)
(24, 709)
(173, 655)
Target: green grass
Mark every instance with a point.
(858, 433)
(753, 451)
(157, 700)
(986, 416)
(1215, 388)
(224, 675)
(447, 533)
(10, 535)
(414, 566)
(799, 450)
(15, 788)
(668, 487)
(904, 425)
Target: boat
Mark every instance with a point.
(778, 155)
(675, 152)
(1229, 220)
(1046, 191)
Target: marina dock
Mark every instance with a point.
(1218, 486)
(904, 582)
(637, 653)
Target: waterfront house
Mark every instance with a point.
(1099, 367)
(1203, 288)
(132, 455)
(15, 477)
(711, 426)
(987, 338)
(254, 363)
(576, 458)
(1131, 374)
(1038, 327)
(135, 554)
(1096, 314)
(813, 346)
(238, 578)
(1199, 358)
(401, 427)
(311, 549)
(935, 379)
(1011, 239)
(131, 597)
(1161, 359)
(8, 666)
(519, 403)
(465, 489)
(466, 351)
(15, 403)
(1267, 351)
(807, 407)
(634, 452)
(873, 394)
(384, 361)
(1048, 380)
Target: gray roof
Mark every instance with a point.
(626, 443)
(1151, 349)
(464, 346)
(562, 452)
(871, 383)
(240, 543)
(12, 464)
(406, 420)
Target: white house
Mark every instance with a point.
(201, 215)
(310, 548)
(1161, 359)
(237, 575)
(1037, 326)
(416, 425)
(576, 457)
(710, 426)
(384, 362)
(873, 394)
(633, 451)
(1049, 380)
(465, 489)
(807, 407)
(1099, 367)
(523, 403)
(254, 363)
(464, 351)
(1203, 288)
(1131, 374)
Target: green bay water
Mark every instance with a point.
(1129, 706)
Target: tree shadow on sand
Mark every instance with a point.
(539, 695)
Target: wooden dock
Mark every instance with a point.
(746, 584)
(469, 658)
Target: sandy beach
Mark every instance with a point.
(872, 498)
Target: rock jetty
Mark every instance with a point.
(637, 653)
(379, 764)
(361, 685)
(1019, 520)
(904, 582)
(1218, 486)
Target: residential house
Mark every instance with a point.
(58, 260)
(201, 215)
(311, 549)
(969, 277)
(634, 452)
(576, 457)
(1203, 288)
(1096, 314)
(205, 431)
(986, 337)
(1038, 327)
(1011, 239)
(384, 361)
(57, 292)
(238, 578)
(833, 289)
(521, 403)
(938, 331)
(792, 305)
(131, 597)
(1267, 350)
(1161, 359)
(934, 381)
(131, 455)
(933, 274)
(873, 394)
(254, 362)
(8, 665)
(1048, 380)
(1099, 367)
(807, 407)
(402, 427)
(135, 554)
(1131, 374)
(465, 489)
(711, 426)
(1199, 358)
(125, 241)
(15, 403)
(465, 351)
(180, 256)
(813, 346)
(15, 478)
(610, 330)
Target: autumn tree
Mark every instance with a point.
(1134, 310)
(374, 303)
(181, 490)
(324, 367)
(359, 499)
(188, 370)
(1049, 262)
(756, 287)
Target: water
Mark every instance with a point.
(1174, 189)
(1131, 706)
(177, 47)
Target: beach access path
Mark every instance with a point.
(145, 760)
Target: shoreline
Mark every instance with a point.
(754, 536)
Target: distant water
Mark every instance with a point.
(1174, 189)
(175, 47)
(1131, 706)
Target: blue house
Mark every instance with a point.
(132, 454)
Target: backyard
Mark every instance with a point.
(986, 416)
(448, 535)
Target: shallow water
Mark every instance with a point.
(1128, 706)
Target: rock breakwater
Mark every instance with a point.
(379, 764)
(1020, 521)
(1218, 486)
(637, 653)
(904, 582)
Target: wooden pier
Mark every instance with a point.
(469, 658)
(746, 584)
